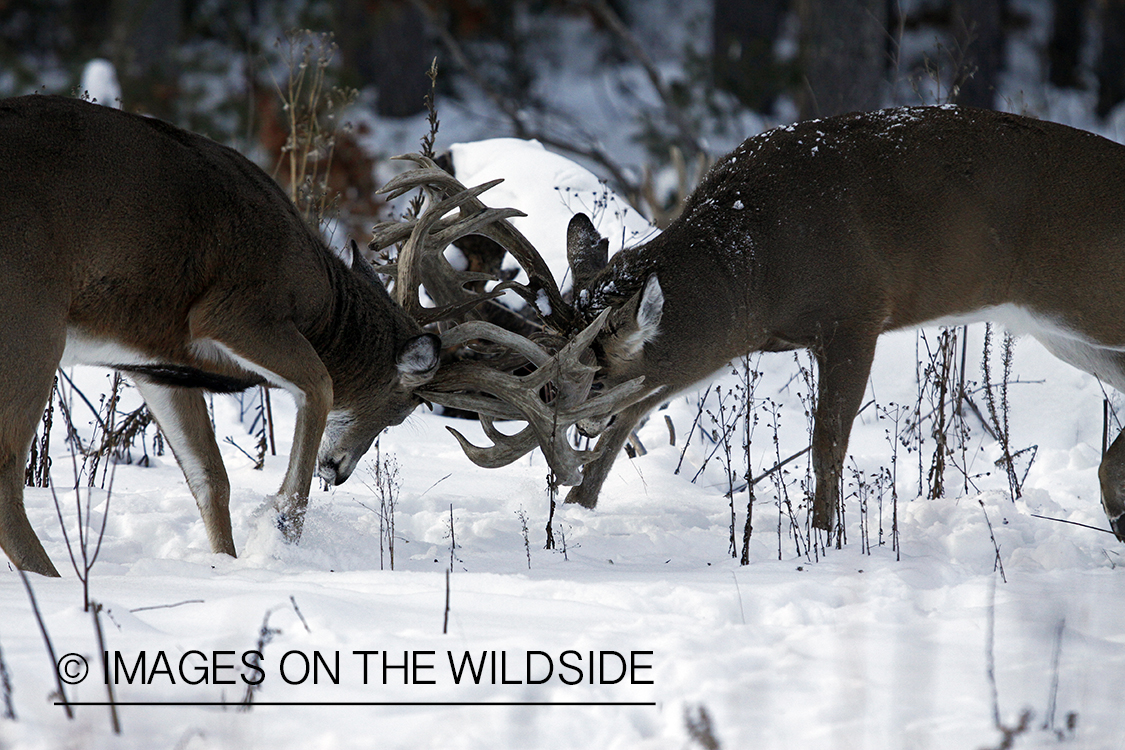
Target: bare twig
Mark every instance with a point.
(88, 557)
(6, 689)
(522, 515)
(1008, 733)
(167, 606)
(445, 617)
(587, 148)
(1072, 523)
(95, 611)
(689, 135)
(265, 635)
(50, 646)
(300, 616)
(698, 723)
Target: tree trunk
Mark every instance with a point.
(144, 32)
(1066, 43)
(978, 26)
(842, 56)
(1111, 77)
(743, 33)
(384, 43)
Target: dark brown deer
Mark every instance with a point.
(825, 234)
(129, 243)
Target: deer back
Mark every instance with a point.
(142, 218)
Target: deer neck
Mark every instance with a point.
(356, 319)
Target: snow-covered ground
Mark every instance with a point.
(871, 646)
(637, 625)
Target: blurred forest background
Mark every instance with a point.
(646, 92)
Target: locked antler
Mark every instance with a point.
(494, 394)
(552, 392)
(421, 257)
(432, 232)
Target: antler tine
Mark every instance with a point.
(423, 250)
(504, 450)
(480, 329)
(387, 233)
(559, 315)
(401, 184)
(475, 223)
(503, 392)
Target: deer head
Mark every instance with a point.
(363, 406)
(633, 318)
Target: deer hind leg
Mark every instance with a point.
(17, 538)
(183, 418)
(27, 371)
(1111, 475)
(844, 364)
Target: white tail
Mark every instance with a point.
(825, 234)
(129, 243)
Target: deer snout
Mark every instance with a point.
(343, 444)
(335, 469)
(329, 471)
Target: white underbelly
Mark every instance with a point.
(82, 349)
(1104, 361)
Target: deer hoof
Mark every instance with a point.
(289, 527)
(578, 497)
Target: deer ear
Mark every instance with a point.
(360, 265)
(418, 360)
(650, 309)
(587, 252)
(348, 253)
(642, 319)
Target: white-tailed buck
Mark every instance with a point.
(825, 234)
(820, 235)
(129, 243)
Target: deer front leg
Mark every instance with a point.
(284, 358)
(610, 443)
(312, 415)
(185, 423)
(1111, 475)
(844, 364)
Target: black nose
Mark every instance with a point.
(329, 471)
